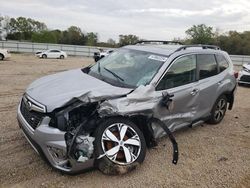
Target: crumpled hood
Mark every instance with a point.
(56, 90)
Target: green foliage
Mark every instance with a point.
(235, 43)
(127, 39)
(73, 35)
(22, 28)
(44, 37)
(92, 39)
(200, 34)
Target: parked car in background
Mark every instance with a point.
(37, 54)
(4, 53)
(244, 74)
(105, 115)
(52, 54)
(101, 54)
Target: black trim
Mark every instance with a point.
(159, 41)
(171, 137)
(203, 46)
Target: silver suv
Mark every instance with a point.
(107, 114)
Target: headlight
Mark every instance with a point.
(245, 69)
(71, 116)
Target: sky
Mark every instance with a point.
(148, 19)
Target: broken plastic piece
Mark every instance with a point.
(171, 137)
(84, 147)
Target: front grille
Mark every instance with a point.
(245, 78)
(33, 118)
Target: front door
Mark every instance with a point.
(181, 81)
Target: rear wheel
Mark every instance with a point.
(120, 145)
(1, 57)
(219, 110)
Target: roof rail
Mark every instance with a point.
(203, 46)
(158, 41)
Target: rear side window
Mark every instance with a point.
(181, 72)
(207, 65)
(222, 62)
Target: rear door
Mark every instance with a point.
(208, 83)
(181, 81)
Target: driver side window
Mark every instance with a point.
(181, 72)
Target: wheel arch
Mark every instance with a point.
(230, 98)
(141, 121)
(1, 54)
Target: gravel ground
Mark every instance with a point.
(210, 155)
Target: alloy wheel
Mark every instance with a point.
(121, 143)
(220, 109)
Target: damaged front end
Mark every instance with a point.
(66, 136)
(78, 122)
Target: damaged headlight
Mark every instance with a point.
(72, 116)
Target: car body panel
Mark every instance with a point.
(58, 90)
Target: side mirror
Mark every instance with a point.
(166, 100)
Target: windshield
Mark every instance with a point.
(128, 67)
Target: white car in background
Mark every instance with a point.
(4, 54)
(244, 74)
(52, 54)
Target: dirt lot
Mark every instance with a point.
(210, 156)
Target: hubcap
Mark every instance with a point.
(220, 110)
(121, 144)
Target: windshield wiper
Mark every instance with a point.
(114, 74)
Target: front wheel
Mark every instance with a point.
(219, 110)
(44, 56)
(119, 146)
(61, 56)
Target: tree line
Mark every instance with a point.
(27, 29)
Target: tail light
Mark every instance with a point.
(236, 74)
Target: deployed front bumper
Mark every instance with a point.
(48, 142)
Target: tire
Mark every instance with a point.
(219, 110)
(115, 161)
(1, 57)
(44, 56)
(61, 56)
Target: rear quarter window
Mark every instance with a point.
(222, 62)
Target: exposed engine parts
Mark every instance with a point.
(80, 124)
(84, 147)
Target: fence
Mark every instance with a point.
(29, 47)
(240, 59)
(77, 50)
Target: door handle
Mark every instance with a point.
(194, 92)
(220, 82)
